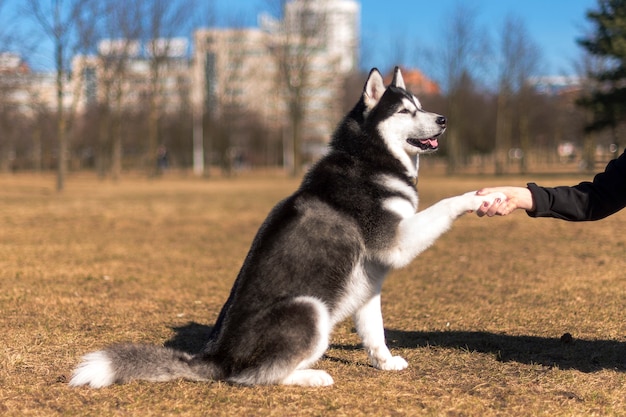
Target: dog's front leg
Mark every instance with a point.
(418, 232)
(369, 325)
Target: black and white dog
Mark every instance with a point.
(321, 256)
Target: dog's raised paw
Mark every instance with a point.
(478, 200)
(494, 196)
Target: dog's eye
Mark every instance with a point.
(404, 111)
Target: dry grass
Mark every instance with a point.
(479, 316)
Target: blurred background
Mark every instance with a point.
(218, 86)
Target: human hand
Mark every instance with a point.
(516, 198)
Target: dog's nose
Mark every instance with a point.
(441, 121)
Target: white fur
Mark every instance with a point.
(395, 131)
(358, 290)
(369, 324)
(396, 185)
(415, 123)
(400, 206)
(404, 205)
(418, 232)
(308, 378)
(94, 370)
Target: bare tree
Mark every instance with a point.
(198, 99)
(7, 84)
(519, 58)
(230, 120)
(294, 46)
(464, 50)
(119, 31)
(225, 63)
(586, 65)
(67, 24)
(163, 20)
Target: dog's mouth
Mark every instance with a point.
(429, 144)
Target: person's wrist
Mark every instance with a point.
(530, 200)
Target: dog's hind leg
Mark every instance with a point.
(369, 325)
(279, 345)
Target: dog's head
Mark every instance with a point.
(398, 117)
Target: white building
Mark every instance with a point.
(232, 69)
(241, 66)
(340, 25)
(122, 76)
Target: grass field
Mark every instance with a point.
(479, 316)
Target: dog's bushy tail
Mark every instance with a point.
(127, 362)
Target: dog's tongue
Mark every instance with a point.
(432, 142)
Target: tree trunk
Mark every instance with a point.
(153, 138)
(37, 148)
(116, 150)
(61, 122)
(296, 147)
(198, 142)
(502, 134)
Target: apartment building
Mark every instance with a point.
(254, 70)
(127, 75)
(233, 72)
(27, 92)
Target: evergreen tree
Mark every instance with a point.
(606, 98)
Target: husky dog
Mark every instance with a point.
(321, 256)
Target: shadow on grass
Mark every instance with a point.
(190, 338)
(579, 354)
(582, 355)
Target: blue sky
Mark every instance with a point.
(554, 25)
(416, 25)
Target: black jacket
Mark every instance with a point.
(587, 200)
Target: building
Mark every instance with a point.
(257, 71)
(556, 84)
(12, 63)
(336, 21)
(126, 75)
(27, 92)
(232, 70)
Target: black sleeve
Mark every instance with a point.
(587, 200)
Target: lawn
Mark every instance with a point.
(480, 317)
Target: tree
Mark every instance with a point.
(519, 58)
(294, 47)
(586, 65)
(7, 85)
(606, 96)
(119, 30)
(163, 20)
(66, 24)
(464, 50)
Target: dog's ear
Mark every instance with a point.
(374, 89)
(398, 81)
